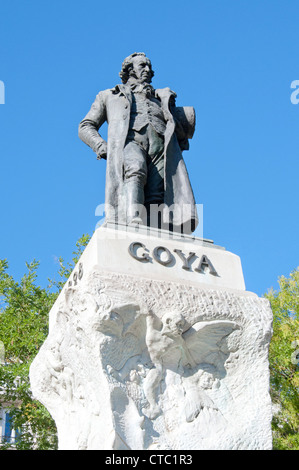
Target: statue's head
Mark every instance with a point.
(137, 66)
(173, 324)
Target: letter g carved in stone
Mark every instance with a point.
(133, 251)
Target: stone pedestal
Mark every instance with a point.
(154, 344)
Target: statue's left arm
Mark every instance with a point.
(184, 117)
(185, 124)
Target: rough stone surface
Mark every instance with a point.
(138, 363)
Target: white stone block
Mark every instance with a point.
(145, 354)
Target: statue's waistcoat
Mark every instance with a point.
(146, 110)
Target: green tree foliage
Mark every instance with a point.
(284, 360)
(24, 311)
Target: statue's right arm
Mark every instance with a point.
(89, 126)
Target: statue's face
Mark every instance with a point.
(141, 69)
(173, 324)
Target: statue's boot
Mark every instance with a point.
(135, 200)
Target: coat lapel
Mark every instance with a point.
(125, 91)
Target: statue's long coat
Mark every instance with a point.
(113, 106)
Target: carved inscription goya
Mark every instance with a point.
(163, 255)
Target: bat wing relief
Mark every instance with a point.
(140, 345)
(199, 354)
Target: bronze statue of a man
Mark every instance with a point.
(147, 133)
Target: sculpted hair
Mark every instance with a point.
(127, 66)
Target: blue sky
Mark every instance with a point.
(233, 60)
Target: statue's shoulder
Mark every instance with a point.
(105, 93)
(103, 97)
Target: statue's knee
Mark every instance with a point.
(136, 176)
